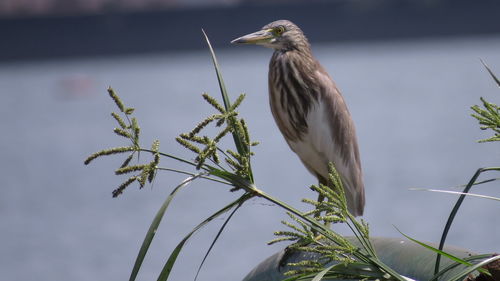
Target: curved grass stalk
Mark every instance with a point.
(315, 225)
(454, 211)
(453, 265)
(359, 270)
(440, 252)
(217, 237)
(459, 193)
(192, 174)
(169, 156)
(167, 268)
(471, 269)
(237, 137)
(491, 73)
(454, 187)
(154, 226)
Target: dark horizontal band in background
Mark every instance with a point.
(180, 29)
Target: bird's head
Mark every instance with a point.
(278, 35)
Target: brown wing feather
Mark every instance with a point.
(344, 140)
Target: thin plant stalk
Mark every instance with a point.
(454, 211)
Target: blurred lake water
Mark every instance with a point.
(410, 101)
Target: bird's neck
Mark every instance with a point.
(292, 90)
(299, 58)
(302, 47)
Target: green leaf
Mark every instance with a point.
(455, 209)
(356, 269)
(443, 253)
(471, 269)
(459, 193)
(167, 268)
(154, 226)
(491, 73)
(453, 265)
(237, 137)
(217, 238)
(320, 275)
(222, 86)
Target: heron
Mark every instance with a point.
(309, 109)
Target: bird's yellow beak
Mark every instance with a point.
(260, 37)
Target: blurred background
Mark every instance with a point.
(409, 70)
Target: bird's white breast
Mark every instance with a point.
(316, 148)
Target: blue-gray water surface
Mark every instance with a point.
(410, 101)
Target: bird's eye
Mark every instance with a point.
(279, 30)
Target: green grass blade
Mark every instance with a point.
(459, 193)
(167, 268)
(455, 264)
(154, 226)
(455, 209)
(222, 86)
(170, 156)
(235, 180)
(359, 270)
(387, 269)
(238, 139)
(457, 186)
(217, 238)
(491, 73)
(471, 269)
(320, 275)
(440, 252)
(356, 269)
